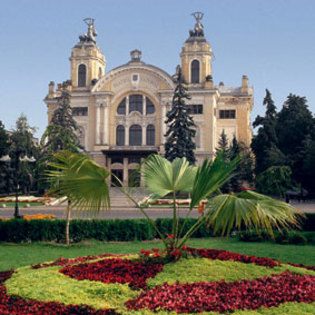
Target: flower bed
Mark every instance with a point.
(207, 281)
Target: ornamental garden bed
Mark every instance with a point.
(206, 280)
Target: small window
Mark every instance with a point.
(134, 77)
(120, 135)
(150, 109)
(100, 72)
(195, 69)
(136, 103)
(227, 114)
(135, 135)
(79, 111)
(134, 159)
(195, 109)
(82, 75)
(117, 159)
(151, 135)
(121, 110)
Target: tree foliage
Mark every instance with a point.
(180, 134)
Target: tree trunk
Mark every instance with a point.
(68, 224)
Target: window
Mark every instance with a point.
(150, 106)
(135, 135)
(117, 159)
(135, 103)
(150, 135)
(134, 77)
(121, 110)
(134, 159)
(227, 114)
(82, 76)
(79, 111)
(195, 65)
(120, 135)
(100, 72)
(195, 109)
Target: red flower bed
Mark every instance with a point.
(66, 261)
(226, 255)
(302, 266)
(16, 305)
(226, 297)
(115, 271)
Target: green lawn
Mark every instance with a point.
(17, 255)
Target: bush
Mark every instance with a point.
(297, 238)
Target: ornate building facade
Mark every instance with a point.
(121, 113)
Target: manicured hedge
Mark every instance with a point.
(106, 230)
(103, 230)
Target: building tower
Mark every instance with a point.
(196, 55)
(87, 61)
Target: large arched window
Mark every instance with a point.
(82, 75)
(195, 69)
(149, 107)
(150, 135)
(121, 109)
(135, 135)
(136, 103)
(120, 135)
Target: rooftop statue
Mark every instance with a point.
(91, 33)
(198, 30)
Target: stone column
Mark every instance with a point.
(109, 162)
(144, 102)
(125, 172)
(127, 105)
(127, 135)
(144, 135)
(97, 124)
(105, 125)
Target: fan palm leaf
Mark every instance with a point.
(162, 177)
(251, 210)
(81, 180)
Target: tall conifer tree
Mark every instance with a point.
(266, 139)
(180, 134)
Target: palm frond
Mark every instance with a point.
(251, 210)
(211, 175)
(163, 177)
(81, 180)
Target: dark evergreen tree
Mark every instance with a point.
(296, 134)
(223, 145)
(180, 134)
(22, 146)
(61, 134)
(4, 167)
(266, 139)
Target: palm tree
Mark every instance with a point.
(81, 181)
(84, 183)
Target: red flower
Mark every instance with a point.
(170, 236)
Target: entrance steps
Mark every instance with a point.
(119, 200)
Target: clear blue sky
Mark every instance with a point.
(271, 41)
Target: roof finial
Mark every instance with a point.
(198, 30)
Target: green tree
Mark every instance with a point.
(180, 131)
(276, 180)
(4, 167)
(266, 139)
(84, 182)
(61, 132)
(296, 131)
(244, 170)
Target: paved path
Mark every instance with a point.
(127, 212)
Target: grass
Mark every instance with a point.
(18, 255)
(48, 284)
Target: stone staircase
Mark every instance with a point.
(119, 200)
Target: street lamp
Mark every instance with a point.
(18, 159)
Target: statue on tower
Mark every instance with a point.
(91, 33)
(198, 31)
